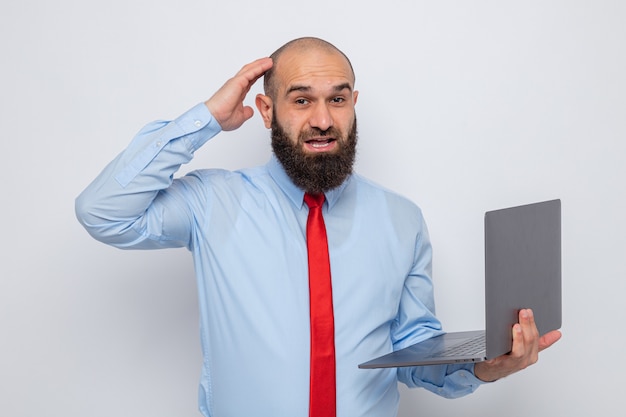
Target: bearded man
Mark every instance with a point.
(275, 341)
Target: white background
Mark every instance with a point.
(464, 106)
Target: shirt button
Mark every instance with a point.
(198, 123)
(158, 144)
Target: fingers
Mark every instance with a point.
(249, 74)
(529, 329)
(255, 69)
(549, 339)
(525, 340)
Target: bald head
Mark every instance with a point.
(298, 46)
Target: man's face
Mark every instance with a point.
(313, 119)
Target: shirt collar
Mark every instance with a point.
(296, 194)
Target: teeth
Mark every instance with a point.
(320, 144)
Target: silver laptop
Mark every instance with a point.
(522, 270)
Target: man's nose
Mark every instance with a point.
(321, 117)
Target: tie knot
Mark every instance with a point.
(314, 200)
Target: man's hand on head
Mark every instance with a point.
(226, 105)
(526, 347)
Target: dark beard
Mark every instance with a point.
(320, 172)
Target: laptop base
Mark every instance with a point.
(434, 351)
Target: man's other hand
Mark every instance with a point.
(525, 351)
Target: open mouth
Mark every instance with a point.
(320, 144)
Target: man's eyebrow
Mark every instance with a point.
(298, 88)
(301, 88)
(343, 86)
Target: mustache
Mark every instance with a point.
(316, 132)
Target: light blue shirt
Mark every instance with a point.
(246, 231)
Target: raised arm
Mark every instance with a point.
(134, 202)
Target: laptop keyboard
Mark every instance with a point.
(470, 347)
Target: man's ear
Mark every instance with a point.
(265, 105)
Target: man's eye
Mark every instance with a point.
(301, 101)
(338, 100)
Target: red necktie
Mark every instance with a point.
(322, 395)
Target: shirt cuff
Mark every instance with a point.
(194, 128)
(198, 125)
